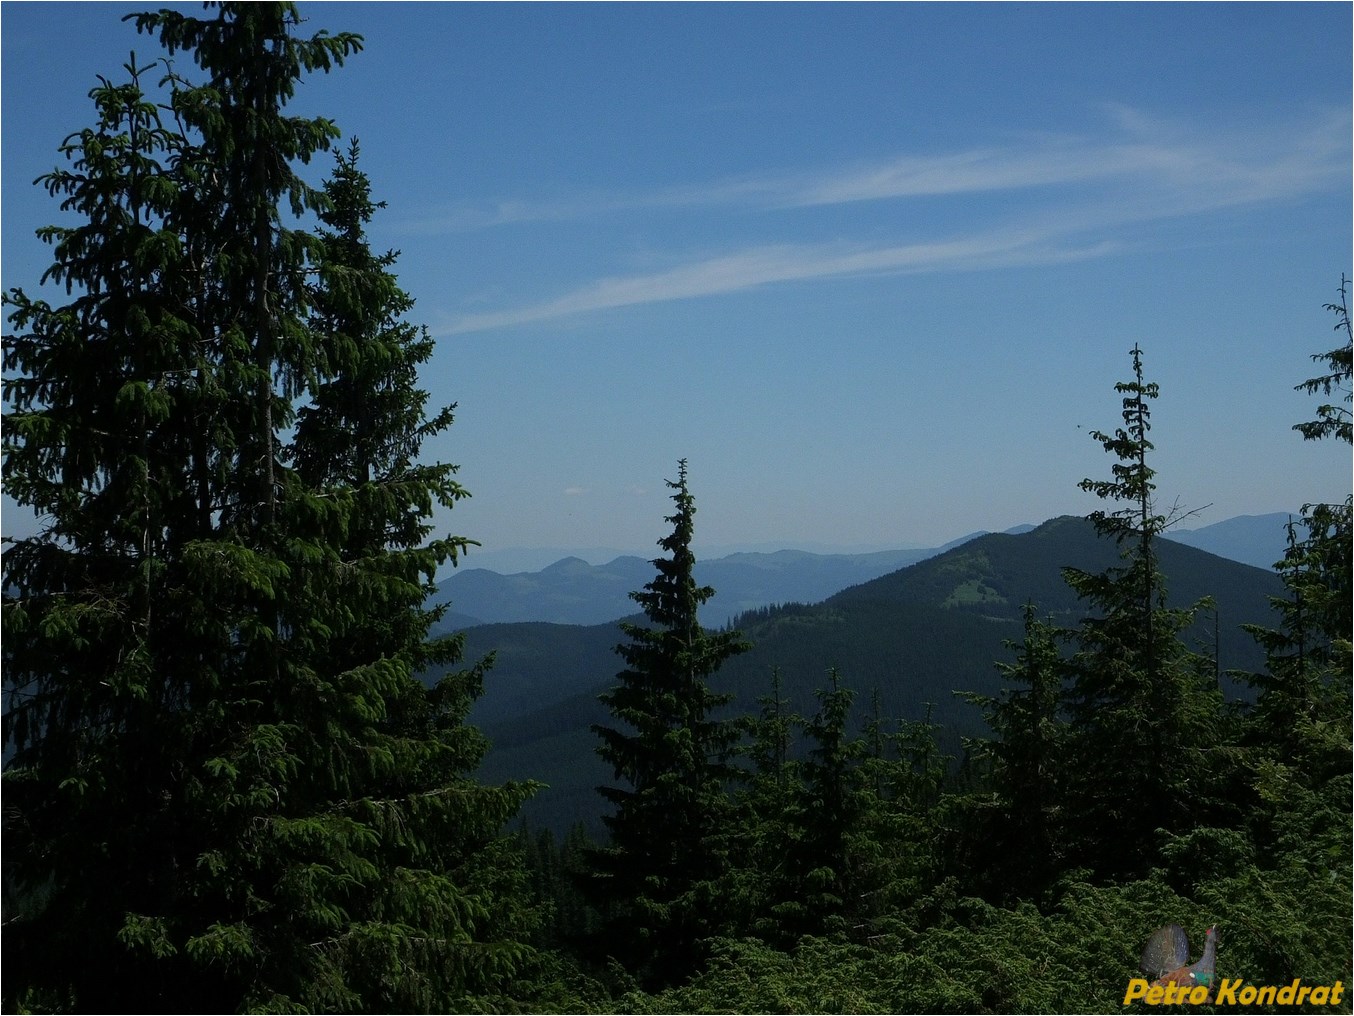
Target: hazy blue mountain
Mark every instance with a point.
(453, 621)
(917, 634)
(513, 560)
(1257, 540)
(592, 585)
(571, 591)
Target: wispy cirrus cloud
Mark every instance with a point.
(1139, 172)
(470, 217)
(1256, 163)
(761, 266)
(1261, 160)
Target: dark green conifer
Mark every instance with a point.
(772, 733)
(767, 815)
(670, 828)
(834, 834)
(909, 825)
(227, 787)
(822, 861)
(1014, 811)
(1333, 420)
(1308, 654)
(1299, 731)
(1141, 714)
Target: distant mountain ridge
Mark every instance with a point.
(916, 634)
(571, 591)
(1256, 540)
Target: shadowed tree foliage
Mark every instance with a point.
(1141, 712)
(1017, 810)
(1332, 420)
(227, 788)
(670, 830)
(767, 814)
(804, 817)
(1299, 732)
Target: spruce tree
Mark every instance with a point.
(821, 855)
(799, 817)
(1333, 420)
(1299, 728)
(771, 732)
(1315, 633)
(1320, 562)
(908, 827)
(227, 788)
(1140, 711)
(670, 827)
(1308, 654)
(1014, 839)
(767, 816)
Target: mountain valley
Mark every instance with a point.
(914, 636)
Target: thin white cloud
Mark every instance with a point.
(1259, 161)
(464, 218)
(1147, 172)
(1270, 159)
(764, 265)
(575, 491)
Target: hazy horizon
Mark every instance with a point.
(510, 559)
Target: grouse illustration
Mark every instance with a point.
(1166, 957)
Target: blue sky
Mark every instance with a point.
(872, 269)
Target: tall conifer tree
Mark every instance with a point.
(670, 827)
(1300, 727)
(227, 787)
(1140, 712)
(1309, 653)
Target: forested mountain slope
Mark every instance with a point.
(571, 591)
(916, 635)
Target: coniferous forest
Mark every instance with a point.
(231, 783)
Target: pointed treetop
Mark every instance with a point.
(683, 520)
(1332, 419)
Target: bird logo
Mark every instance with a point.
(1166, 957)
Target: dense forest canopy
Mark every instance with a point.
(231, 784)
